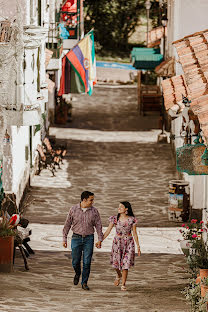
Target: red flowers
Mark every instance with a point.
(193, 230)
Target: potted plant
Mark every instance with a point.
(191, 232)
(193, 296)
(199, 260)
(204, 286)
(7, 234)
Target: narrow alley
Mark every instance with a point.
(113, 152)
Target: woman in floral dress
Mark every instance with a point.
(123, 248)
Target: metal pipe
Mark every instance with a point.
(164, 42)
(147, 25)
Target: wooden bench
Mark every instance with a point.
(21, 241)
(58, 151)
(46, 161)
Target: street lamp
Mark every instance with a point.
(148, 6)
(160, 11)
(164, 24)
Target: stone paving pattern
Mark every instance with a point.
(154, 284)
(113, 171)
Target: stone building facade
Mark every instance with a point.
(24, 28)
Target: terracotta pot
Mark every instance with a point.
(203, 273)
(198, 279)
(204, 290)
(6, 254)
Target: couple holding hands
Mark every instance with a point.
(82, 219)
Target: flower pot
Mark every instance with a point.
(198, 279)
(61, 114)
(203, 273)
(185, 246)
(204, 290)
(6, 253)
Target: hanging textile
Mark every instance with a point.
(70, 6)
(79, 68)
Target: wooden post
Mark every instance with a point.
(139, 89)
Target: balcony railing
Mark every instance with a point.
(54, 42)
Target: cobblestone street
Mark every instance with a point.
(113, 152)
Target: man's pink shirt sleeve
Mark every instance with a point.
(98, 226)
(67, 226)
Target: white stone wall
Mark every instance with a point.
(36, 139)
(191, 17)
(30, 76)
(20, 139)
(16, 167)
(184, 18)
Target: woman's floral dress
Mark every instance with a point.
(123, 248)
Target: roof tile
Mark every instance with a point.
(156, 34)
(173, 89)
(184, 51)
(166, 68)
(193, 56)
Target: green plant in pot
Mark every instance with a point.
(200, 258)
(7, 234)
(6, 228)
(191, 232)
(193, 296)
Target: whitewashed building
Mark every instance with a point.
(186, 17)
(24, 27)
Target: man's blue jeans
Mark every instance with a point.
(81, 245)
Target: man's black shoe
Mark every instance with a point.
(85, 287)
(76, 279)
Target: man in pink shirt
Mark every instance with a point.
(82, 219)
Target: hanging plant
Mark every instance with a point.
(37, 128)
(44, 116)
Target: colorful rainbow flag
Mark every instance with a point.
(79, 67)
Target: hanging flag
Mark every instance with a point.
(79, 68)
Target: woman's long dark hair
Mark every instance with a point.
(128, 206)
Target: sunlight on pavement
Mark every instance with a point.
(60, 180)
(105, 136)
(48, 237)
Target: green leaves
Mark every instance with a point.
(113, 21)
(5, 228)
(200, 258)
(193, 295)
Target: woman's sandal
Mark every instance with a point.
(117, 281)
(123, 288)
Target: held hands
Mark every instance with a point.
(98, 244)
(139, 251)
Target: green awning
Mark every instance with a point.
(135, 51)
(146, 58)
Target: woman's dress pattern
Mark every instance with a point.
(123, 248)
